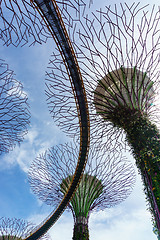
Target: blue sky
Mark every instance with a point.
(128, 221)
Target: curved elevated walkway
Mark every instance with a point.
(50, 13)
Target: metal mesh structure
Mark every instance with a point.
(49, 169)
(63, 111)
(124, 37)
(22, 24)
(110, 173)
(59, 94)
(14, 113)
(72, 10)
(16, 229)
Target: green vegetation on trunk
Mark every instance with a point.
(144, 140)
(81, 232)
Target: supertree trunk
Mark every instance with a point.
(144, 139)
(89, 189)
(81, 231)
(125, 108)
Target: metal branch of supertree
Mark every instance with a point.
(21, 23)
(107, 181)
(118, 53)
(14, 229)
(61, 105)
(14, 110)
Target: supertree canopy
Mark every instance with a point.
(118, 53)
(14, 113)
(108, 180)
(16, 229)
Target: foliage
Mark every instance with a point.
(144, 140)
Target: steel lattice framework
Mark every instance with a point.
(62, 108)
(14, 110)
(107, 181)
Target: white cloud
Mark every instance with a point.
(129, 226)
(63, 229)
(31, 136)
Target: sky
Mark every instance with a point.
(129, 220)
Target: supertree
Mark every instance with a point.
(118, 53)
(16, 229)
(107, 181)
(14, 109)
